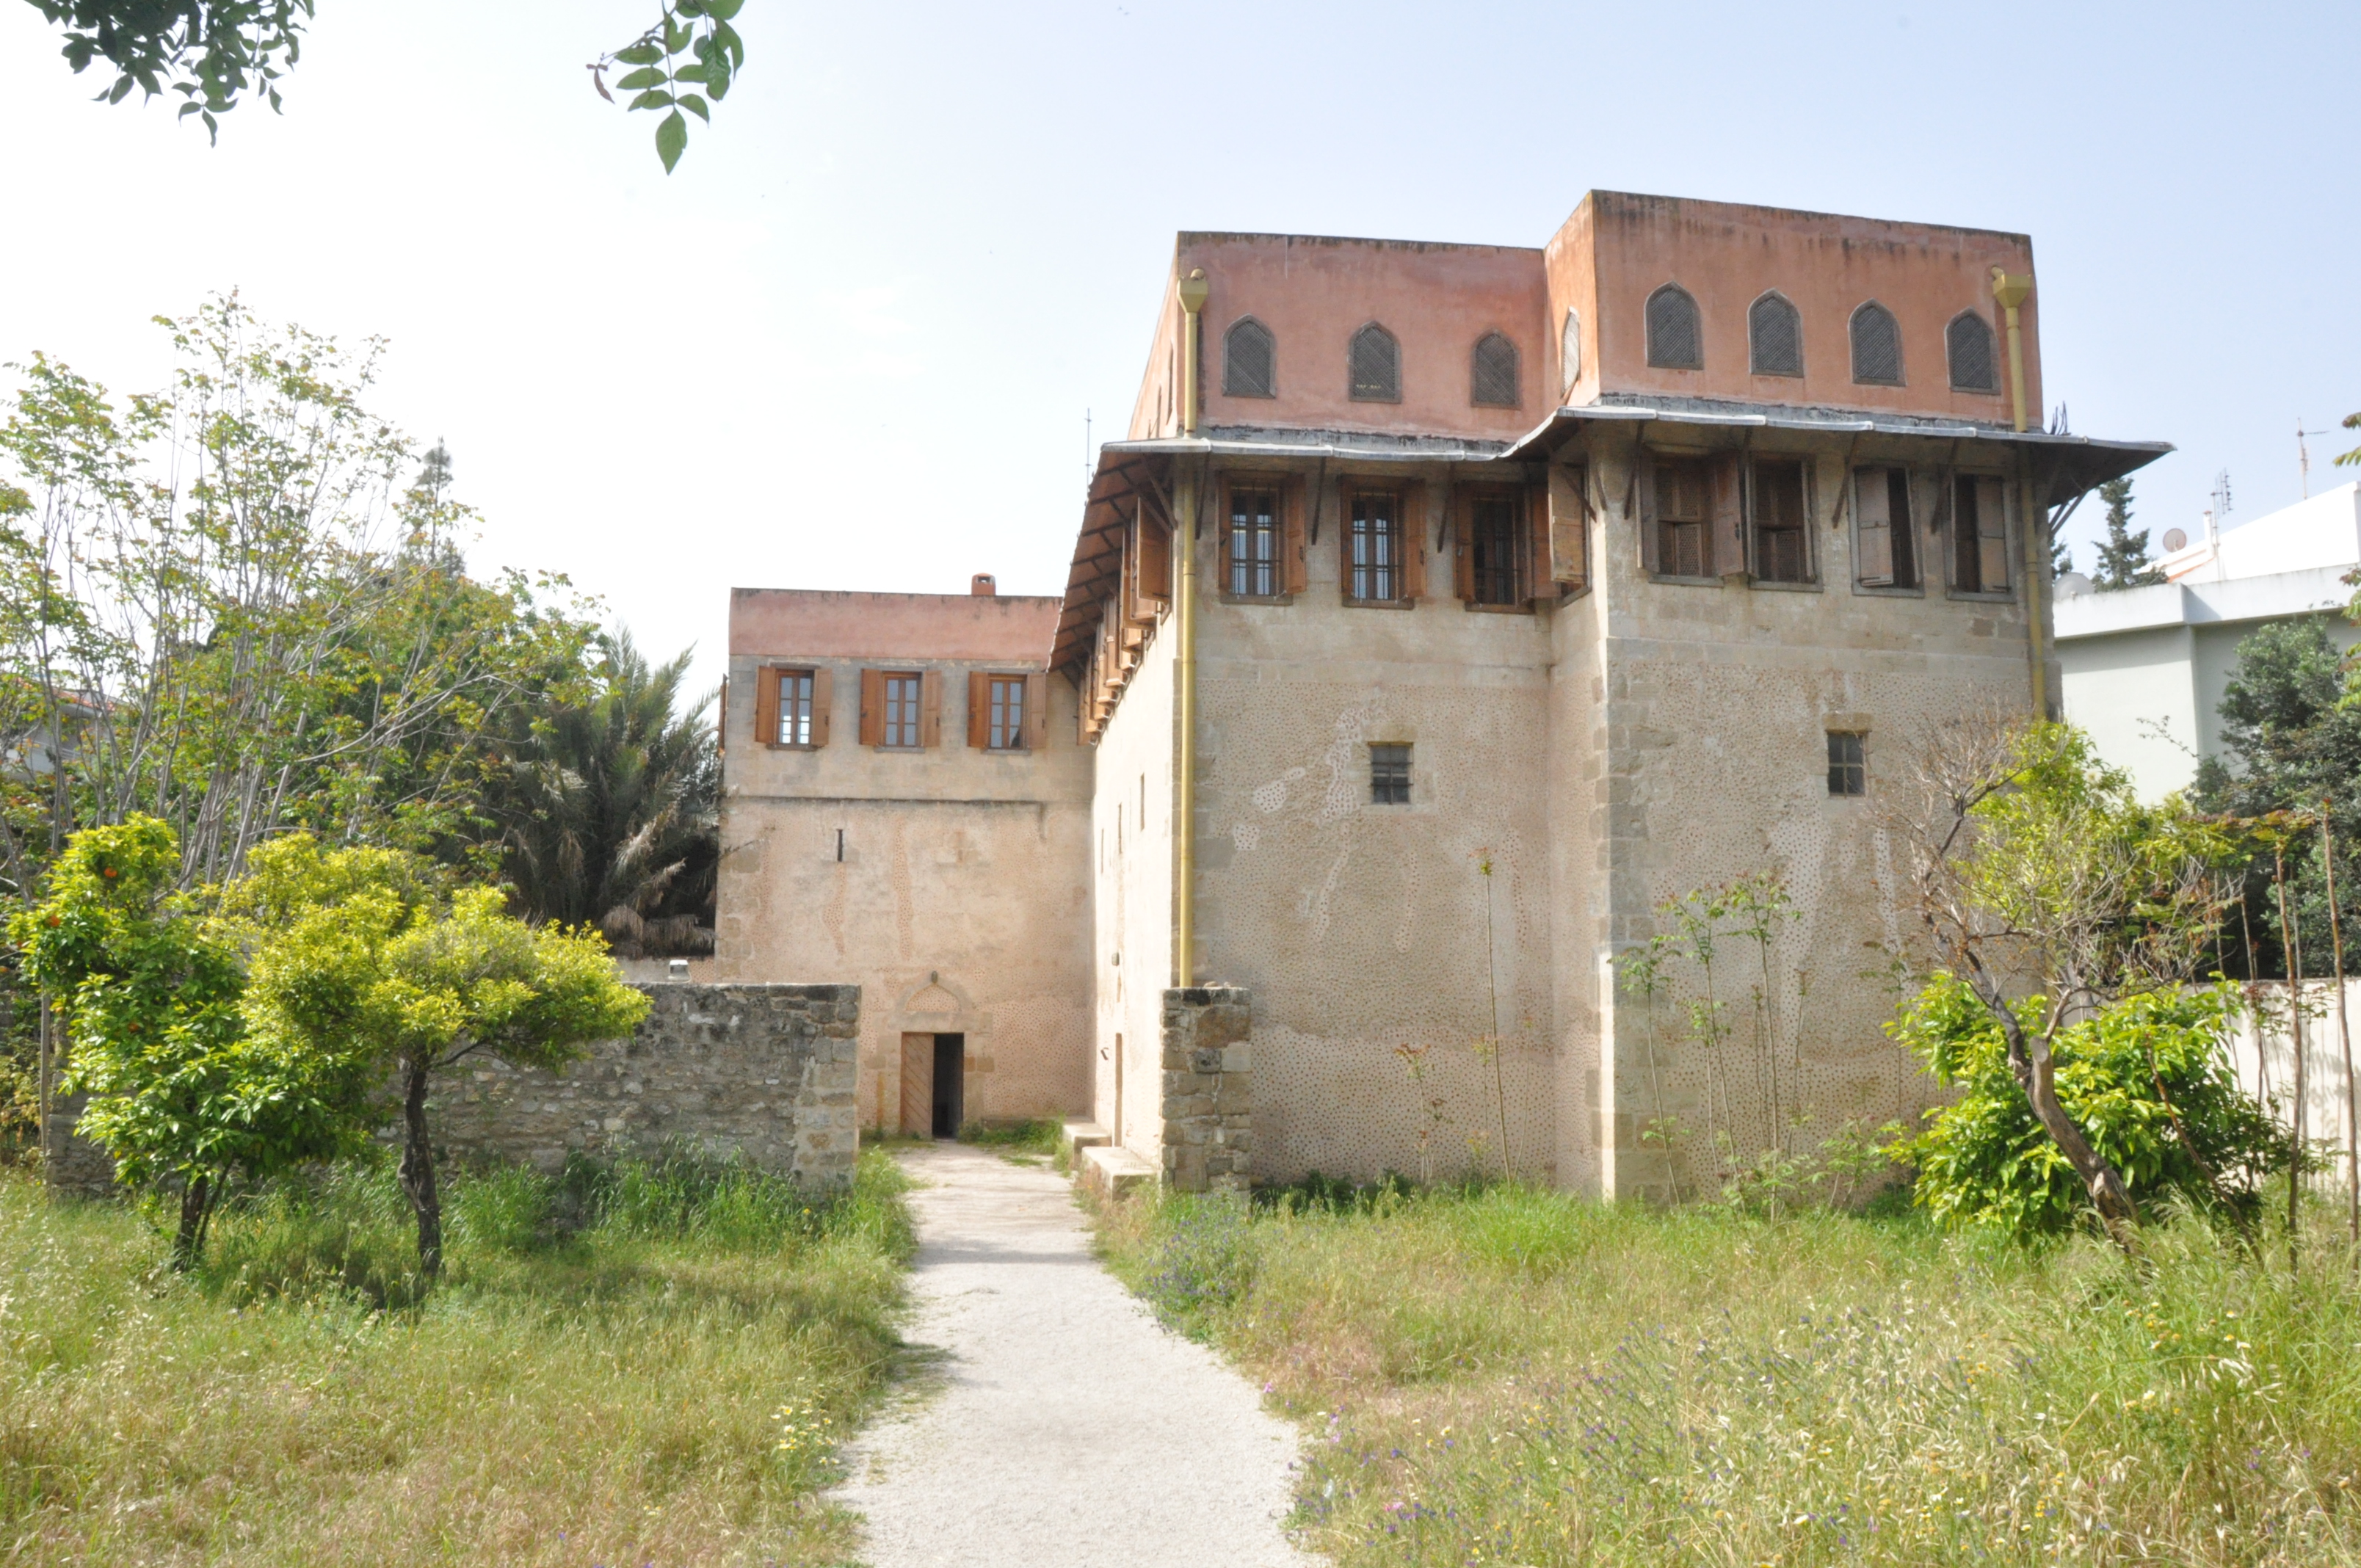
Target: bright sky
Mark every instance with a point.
(852, 341)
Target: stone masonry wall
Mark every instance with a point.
(766, 1072)
(1208, 1088)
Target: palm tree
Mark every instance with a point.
(608, 807)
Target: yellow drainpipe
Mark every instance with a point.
(2010, 291)
(1192, 291)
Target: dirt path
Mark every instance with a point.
(1064, 1427)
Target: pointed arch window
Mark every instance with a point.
(1968, 344)
(1569, 353)
(1675, 336)
(1774, 336)
(1249, 361)
(1492, 377)
(1876, 347)
(1376, 366)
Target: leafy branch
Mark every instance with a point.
(209, 51)
(686, 61)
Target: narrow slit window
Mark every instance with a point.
(1005, 724)
(1254, 543)
(1781, 548)
(1389, 776)
(902, 700)
(795, 707)
(1681, 504)
(1848, 769)
(1493, 550)
(1376, 546)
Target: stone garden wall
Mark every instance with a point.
(1208, 1099)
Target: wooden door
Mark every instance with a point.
(918, 1085)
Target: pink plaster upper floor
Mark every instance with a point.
(816, 623)
(1614, 251)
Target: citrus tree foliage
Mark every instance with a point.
(221, 605)
(2052, 892)
(681, 66)
(357, 949)
(2146, 1081)
(181, 1091)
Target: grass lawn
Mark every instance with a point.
(1521, 1377)
(642, 1365)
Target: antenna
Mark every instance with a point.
(2303, 452)
(2222, 494)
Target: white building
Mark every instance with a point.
(2145, 668)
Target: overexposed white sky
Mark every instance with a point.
(851, 343)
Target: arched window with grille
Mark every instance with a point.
(1492, 377)
(1774, 336)
(1569, 353)
(1968, 343)
(1249, 361)
(1675, 337)
(1376, 366)
(1876, 346)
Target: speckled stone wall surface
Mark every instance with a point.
(69, 1164)
(1208, 1109)
(766, 1072)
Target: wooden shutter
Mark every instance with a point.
(1872, 512)
(872, 708)
(1562, 530)
(1463, 548)
(1651, 514)
(1539, 569)
(721, 719)
(1149, 567)
(823, 699)
(1290, 550)
(1991, 534)
(930, 707)
(979, 710)
(1036, 710)
(1222, 538)
(1725, 535)
(766, 706)
(1412, 524)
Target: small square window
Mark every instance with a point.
(1389, 776)
(1848, 774)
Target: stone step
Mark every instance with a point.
(1111, 1172)
(1080, 1133)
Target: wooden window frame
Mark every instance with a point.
(876, 701)
(1848, 775)
(2000, 545)
(1909, 534)
(1033, 689)
(1653, 534)
(768, 680)
(1410, 542)
(1756, 528)
(1465, 583)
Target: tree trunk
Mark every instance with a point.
(2030, 1063)
(418, 1172)
(188, 1244)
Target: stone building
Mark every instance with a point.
(1444, 611)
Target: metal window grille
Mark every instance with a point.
(1377, 546)
(1969, 340)
(902, 710)
(1376, 366)
(1254, 543)
(1780, 555)
(1493, 549)
(1389, 776)
(1249, 361)
(1004, 728)
(1675, 340)
(1876, 346)
(1775, 337)
(1493, 381)
(795, 707)
(1848, 772)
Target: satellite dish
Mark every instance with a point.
(2175, 540)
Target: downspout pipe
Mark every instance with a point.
(1192, 291)
(2010, 291)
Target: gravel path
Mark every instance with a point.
(1062, 1427)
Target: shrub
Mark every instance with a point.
(2146, 1081)
(1202, 1258)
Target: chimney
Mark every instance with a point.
(980, 585)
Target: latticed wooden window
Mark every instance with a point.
(1376, 366)
(1492, 545)
(1979, 534)
(1876, 347)
(1968, 343)
(1569, 353)
(1684, 494)
(1254, 543)
(902, 708)
(1848, 767)
(1675, 336)
(1881, 504)
(1780, 547)
(1249, 361)
(1775, 337)
(1389, 776)
(1376, 546)
(795, 707)
(1005, 725)
(1493, 379)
